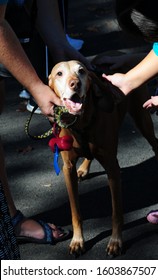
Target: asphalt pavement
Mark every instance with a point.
(39, 192)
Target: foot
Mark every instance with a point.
(31, 228)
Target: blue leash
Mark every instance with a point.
(56, 157)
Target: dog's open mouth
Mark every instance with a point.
(74, 104)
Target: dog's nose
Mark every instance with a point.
(75, 84)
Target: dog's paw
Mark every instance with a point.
(81, 174)
(83, 169)
(114, 247)
(76, 247)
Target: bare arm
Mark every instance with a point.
(49, 23)
(15, 60)
(12, 55)
(144, 71)
(49, 26)
(141, 73)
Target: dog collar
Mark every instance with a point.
(63, 118)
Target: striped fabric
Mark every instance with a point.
(8, 245)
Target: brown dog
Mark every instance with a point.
(95, 135)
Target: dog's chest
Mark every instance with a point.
(95, 136)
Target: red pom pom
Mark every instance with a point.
(64, 143)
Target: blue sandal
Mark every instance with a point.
(48, 237)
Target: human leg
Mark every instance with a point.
(26, 226)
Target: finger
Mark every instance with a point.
(147, 104)
(48, 111)
(56, 100)
(51, 119)
(107, 77)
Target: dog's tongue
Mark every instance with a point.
(73, 107)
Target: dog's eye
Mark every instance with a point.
(81, 71)
(59, 73)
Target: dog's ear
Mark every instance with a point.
(103, 95)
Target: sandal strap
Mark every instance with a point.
(48, 237)
(47, 231)
(17, 218)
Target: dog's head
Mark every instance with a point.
(70, 81)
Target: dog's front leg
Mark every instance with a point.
(71, 179)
